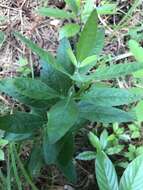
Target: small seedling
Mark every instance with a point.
(105, 171)
(3, 143)
(23, 69)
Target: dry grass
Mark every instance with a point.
(20, 16)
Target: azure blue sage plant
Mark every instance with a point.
(70, 91)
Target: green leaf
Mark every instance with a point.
(136, 50)
(100, 38)
(3, 143)
(104, 114)
(139, 111)
(69, 30)
(86, 43)
(104, 139)
(54, 12)
(2, 155)
(88, 61)
(135, 134)
(131, 154)
(73, 5)
(132, 178)
(69, 171)
(42, 112)
(67, 151)
(125, 137)
(104, 96)
(7, 86)
(12, 137)
(138, 74)
(34, 88)
(44, 55)
(2, 18)
(115, 71)
(107, 9)
(23, 61)
(114, 150)
(51, 151)
(66, 114)
(95, 142)
(72, 57)
(136, 90)
(54, 78)
(80, 123)
(139, 151)
(62, 149)
(35, 162)
(20, 122)
(2, 38)
(87, 155)
(78, 3)
(110, 72)
(99, 44)
(105, 173)
(62, 56)
(133, 127)
(87, 9)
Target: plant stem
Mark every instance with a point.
(129, 14)
(15, 168)
(27, 177)
(8, 171)
(31, 65)
(3, 179)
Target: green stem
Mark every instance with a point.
(8, 171)
(15, 168)
(27, 177)
(3, 179)
(31, 65)
(124, 20)
(130, 12)
(81, 90)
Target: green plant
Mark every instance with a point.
(79, 11)
(133, 152)
(105, 172)
(135, 131)
(66, 96)
(23, 68)
(2, 38)
(107, 143)
(3, 143)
